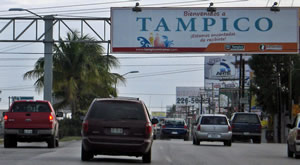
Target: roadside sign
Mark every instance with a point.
(15, 98)
(244, 100)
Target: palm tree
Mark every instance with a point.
(80, 72)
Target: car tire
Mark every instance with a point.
(186, 138)
(297, 156)
(194, 141)
(197, 141)
(10, 141)
(257, 140)
(85, 155)
(147, 157)
(57, 143)
(51, 142)
(289, 152)
(227, 143)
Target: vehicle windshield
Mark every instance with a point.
(30, 107)
(117, 110)
(213, 120)
(174, 122)
(246, 118)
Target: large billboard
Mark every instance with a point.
(223, 72)
(194, 30)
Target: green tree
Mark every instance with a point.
(271, 76)
(81, 72)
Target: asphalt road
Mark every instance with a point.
(175, 152)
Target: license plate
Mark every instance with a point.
(28, 131)
(116, 130)
(214, 136)
(174, 133)
(246, 133)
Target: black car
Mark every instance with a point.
(117, 126)
(246, 126)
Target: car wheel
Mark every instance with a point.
(186, 138)
(227, 143)
(194, 142)
(51, 142)
(85, 155)
(197, 141)
(10, 141)
(289, 152)
(297, 156)
(257, 140)
(147, 157)
(57, 143)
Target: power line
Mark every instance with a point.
(106, 9)
(165, 73)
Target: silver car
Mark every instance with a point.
(212, 127)
(293, 141)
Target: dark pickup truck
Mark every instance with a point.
(30, 121)
(246, 126)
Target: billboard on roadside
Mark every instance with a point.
(223, 72)
(194, 30)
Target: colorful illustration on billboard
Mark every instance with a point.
(157, 42)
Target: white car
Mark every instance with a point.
(293, 141)
(212, 127)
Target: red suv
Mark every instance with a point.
(30, 121)
(117, 126)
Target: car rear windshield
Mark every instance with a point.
(174, 122)
(117, 110)
(245, 118)
(213, 120)
(30, 107)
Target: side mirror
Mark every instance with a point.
(289, 126)
(154, 121)
(3, 113)
(59, 114)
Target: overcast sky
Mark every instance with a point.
(157, 78)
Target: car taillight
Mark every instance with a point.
(185, 127)
(198, 128)
(298, 135)
(5, 118)
(164, 126)
(85, 126)
(148, 129)
(232, 126)
(50, 118)
(229, 128)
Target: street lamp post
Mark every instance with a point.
(135, 71)
(48, 47)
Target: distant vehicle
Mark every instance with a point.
(174, 128)
(30, 121)
(117, 126)
(212, 127)
(246, 126)
(157, 130)
(293, 140)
